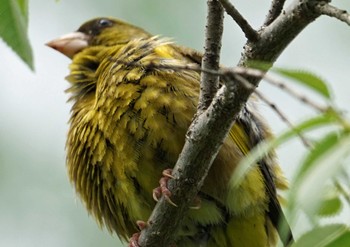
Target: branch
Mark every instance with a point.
(159, 232)
(273, 106)
(275, 11)
(283, 117)
(211, 59)
(209, 129)
(249, 32)
(281, 85)
(326, 9)
(238, 75)
(279, 34)
(297, 95)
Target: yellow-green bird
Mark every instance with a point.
(128, 123)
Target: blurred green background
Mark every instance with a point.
(38, 206)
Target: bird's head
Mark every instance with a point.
(97, 32)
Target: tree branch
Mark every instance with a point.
(274, 11)
(243, 71)
(249, 32)
(279, 34)
(209, 129)
(326, 9)
(295, 94)
(211, 59)
(159, 232)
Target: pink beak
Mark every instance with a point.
(70, 44)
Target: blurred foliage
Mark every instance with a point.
(317, 190)
(13, 28)
(336, 235)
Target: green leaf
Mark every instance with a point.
(325, 236)
(260, 65)
(320, 148)
(13, 28)
(330, 207)
(341, 241)
(307, 79)
(266, 146)
(23, 6)
(322, 164)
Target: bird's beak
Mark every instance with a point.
(70, 44)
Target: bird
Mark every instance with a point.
(131, 108)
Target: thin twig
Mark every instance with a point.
(243, 71)
(327, 9)
(249, 32)
(283, 117)
(294, 93)
(209, 83)
(283, 86)
(274, 11)
(238, 72)
(342, 190)
(275, 108)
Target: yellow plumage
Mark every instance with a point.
(128, 124)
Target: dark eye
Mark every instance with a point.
(104, 23)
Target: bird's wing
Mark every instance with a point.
(253, 127)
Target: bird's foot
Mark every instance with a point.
(134, 240)
(163, 190)
(163, 187)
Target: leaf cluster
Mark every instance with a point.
(320, 188)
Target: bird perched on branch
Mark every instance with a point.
(129, 118)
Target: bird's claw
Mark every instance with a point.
(167, 173)
(141, 224)
(134, 240)
(163, 190)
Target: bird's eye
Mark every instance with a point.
(104, 23)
